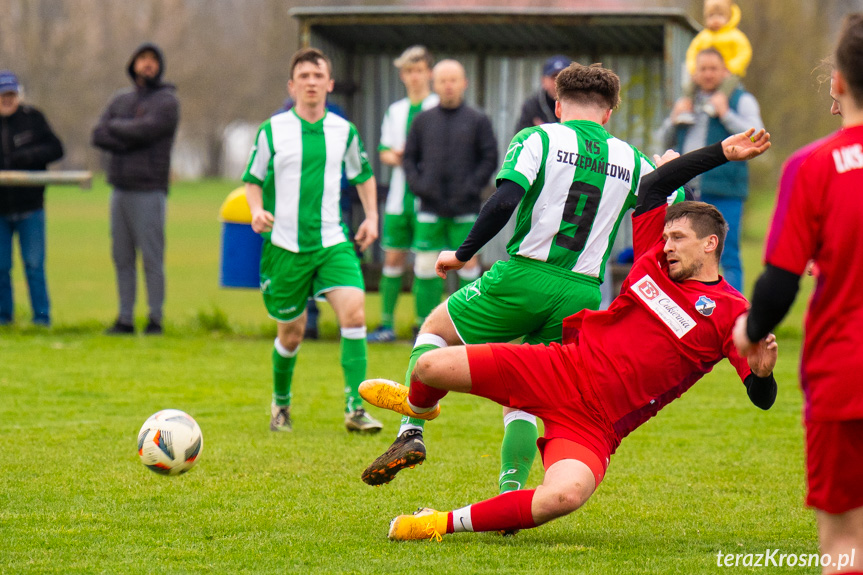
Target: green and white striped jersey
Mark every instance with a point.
(394, 134)
(299, 166)
(579, 182)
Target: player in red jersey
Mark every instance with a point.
(819, 216)
(616, 369)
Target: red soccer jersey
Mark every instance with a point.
(819, 216)
(658, 337)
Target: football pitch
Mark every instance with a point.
(711, 473)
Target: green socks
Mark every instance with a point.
(427, 296)
(354, 360)
(517, 452)
(283, 373)
(425, 342)
(389, 289)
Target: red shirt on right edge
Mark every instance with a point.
(819, 216)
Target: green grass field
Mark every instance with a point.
(710, 473)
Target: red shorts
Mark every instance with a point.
(834, 465)
(544, 381)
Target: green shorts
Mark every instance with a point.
(520, 298)
(434, 233)
(399, 231)
(288, 279)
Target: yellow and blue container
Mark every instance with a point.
(241, 247)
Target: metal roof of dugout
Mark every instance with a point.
(502, 50)
(620, 29)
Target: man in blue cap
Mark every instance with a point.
(28, 143)
(538, 108)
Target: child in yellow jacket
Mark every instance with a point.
(721, 18)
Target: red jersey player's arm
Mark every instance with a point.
(655, 188)
(761, 390)
(791, 243)
(647, 230)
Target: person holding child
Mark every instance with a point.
(721, 33)
(716, 117)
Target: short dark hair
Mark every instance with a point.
(849, 54)
(704, 218)
(588, 85)
(712, 51)
(312, 55)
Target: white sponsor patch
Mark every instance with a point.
(663, 306)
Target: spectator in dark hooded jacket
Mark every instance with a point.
(137, 130)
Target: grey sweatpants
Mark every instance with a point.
(138, 224)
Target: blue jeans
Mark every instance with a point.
(30, 227)
(732, 211)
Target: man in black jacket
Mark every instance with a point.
(449, 156)
(137, 130)
(538, 108)
(26, 143)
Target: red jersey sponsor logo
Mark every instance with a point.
(648, 289)
(664, 307)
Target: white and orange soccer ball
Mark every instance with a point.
(170, 442)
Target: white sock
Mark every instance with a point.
(283, 351)
(518, 415)
(353, 332)
(408, 427)
(461, 520)
(430, 339)
(393, 271)
(421, 409)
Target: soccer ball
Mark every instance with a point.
(170, 442)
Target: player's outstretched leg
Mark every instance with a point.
(409, 450)
(567, 485)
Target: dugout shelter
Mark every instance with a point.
(502, 50)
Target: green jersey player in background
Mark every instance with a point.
(572, 183)
(293, 186)
(415, 71)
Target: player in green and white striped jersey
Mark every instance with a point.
(415, 69)
(572, 183)
(293, 186)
